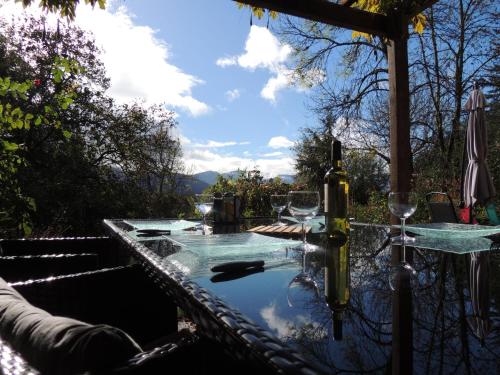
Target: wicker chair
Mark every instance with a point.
(23, 267)
(123, 297)
(441, 208)
(107, 249)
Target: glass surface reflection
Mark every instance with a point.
(337, 280)
(426, 327)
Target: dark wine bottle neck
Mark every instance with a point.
(336, 154)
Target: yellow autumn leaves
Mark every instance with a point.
(382, 7)
(374, 6)
(258, 12)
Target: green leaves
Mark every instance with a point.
(9, 146)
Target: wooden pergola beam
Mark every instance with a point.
(347, 3)
(423, 6)
(331, 14)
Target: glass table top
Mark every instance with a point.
(334, 304)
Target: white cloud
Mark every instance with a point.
(283, 327)
(200, 160)
(264, 51)
(215, 144)
(226, 61)
(280, 142)
(274, 85)
(232, 95)
(135, 59)
(273, 154)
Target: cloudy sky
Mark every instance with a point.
(227, 81)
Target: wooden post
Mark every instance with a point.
(402, 324)
(401, 172)
(399, 106)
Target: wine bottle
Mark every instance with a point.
(337, 281)
(336, 194)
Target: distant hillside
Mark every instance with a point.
(191, 185)
(287, 178)
(209, 177)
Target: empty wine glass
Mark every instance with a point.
(402, 275)
(278, 203)
(303, 205)
(402, 205)
(204, 203)
(301, 286)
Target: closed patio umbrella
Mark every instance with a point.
(477, 185)
(479, 275)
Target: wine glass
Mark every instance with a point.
(204, 203)
(278, 203)
(301, 286)
(303, 205)
(402, 275)
(402, 205)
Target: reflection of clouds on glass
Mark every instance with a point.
(283, 327)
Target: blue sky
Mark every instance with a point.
(227, 81)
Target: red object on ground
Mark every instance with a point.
(37, 82)
(464, 216)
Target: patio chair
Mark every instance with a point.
(441, 208)
(125, 299)
(34, 339)
(107, 249)
(24, 267)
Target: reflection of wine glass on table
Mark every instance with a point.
(204, 203)
(278, 203)
(301, 286)
(303, 205)
(402, 205)
(402, 274)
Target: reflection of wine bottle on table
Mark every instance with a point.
(336, 194)
(337, 280)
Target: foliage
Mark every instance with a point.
(389, 6)
(120, 160)
(373, 211)
(253, 190)
(259, 12)
(366, 172)
(22, 108)
(454, 49)
(66, 8)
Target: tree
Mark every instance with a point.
(453, 50)
(112, 162)
(66, 8)
(253, 190)
(367, 173)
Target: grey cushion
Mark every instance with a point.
(59, 345)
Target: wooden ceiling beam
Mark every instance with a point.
(331, 14)
(347, 3)
(423, 6)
